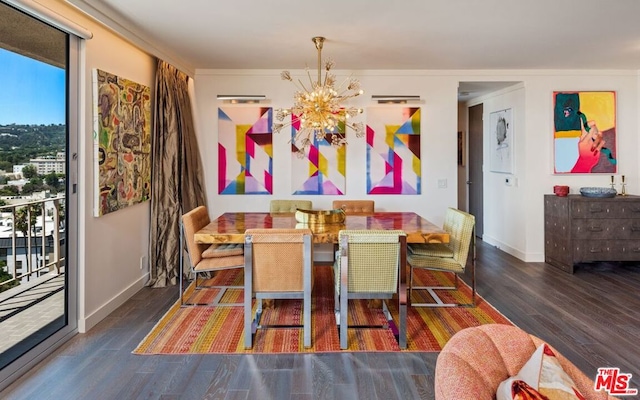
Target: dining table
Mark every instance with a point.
(230, 226)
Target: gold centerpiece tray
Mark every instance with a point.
(319, 217)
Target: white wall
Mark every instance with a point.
(110, 246)
(438, 150)
(513, 218)
(504, 194)
(514, 215)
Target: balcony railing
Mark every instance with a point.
(35, 229)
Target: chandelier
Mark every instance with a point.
(318, 110)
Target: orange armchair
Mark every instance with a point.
(475, 360)
(355, 206)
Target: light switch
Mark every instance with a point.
(442, 183)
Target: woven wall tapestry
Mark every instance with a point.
(320, 168)
(245, 150)
(393, 150)
(121, 141)
(584, 137)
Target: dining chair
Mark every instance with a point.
(206, 258)
(289, 206)
(368, 267)
(355, 207)
(446, 257)
(277, 265)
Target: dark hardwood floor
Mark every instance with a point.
(592, 317)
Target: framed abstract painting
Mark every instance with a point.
(122, 142)
(320, 167)
(245, 150)
(393, 150)
(501, 145)
(584, 136)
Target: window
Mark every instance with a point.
(39, 77)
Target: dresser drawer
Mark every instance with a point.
(599, 228)
(606, 250)
(605, 209)
(581, 229)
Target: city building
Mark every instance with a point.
(46, 165)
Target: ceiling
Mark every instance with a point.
(383, 34)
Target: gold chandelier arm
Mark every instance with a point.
(318, 112)
(319, 40)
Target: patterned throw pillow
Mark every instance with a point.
(542, 377)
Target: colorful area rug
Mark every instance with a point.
(191, 330)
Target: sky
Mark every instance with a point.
(31, 92)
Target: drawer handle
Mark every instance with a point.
(595, 208)
(635, 209)
(635, 228)
(598, 229)
(595, 251)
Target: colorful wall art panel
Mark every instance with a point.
(501, 146)
(393, 150)
(584, 135)
(121, 141)
(320, 168)
(245, 150)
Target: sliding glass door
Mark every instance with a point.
(38, 206)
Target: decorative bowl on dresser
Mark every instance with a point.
(589, 229)
(598, 192)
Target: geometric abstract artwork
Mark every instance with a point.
(320, 167)
(245, 150)
(121, 141)
(501, 138)
(393, 150)
(584, 136)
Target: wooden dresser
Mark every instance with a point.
(584, 229)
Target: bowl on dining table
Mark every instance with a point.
(319, 217)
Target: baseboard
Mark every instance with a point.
(526, 257)
(84, 324)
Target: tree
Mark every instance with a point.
(52, 180)
(29, 188)
(9, 191)
(23, 224)
(6, 166)
(5, 276)
(29, 171)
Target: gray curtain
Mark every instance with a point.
(177, 182)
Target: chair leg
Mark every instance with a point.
(473, 267)
(402, 340)
(307, 272)
(438, 301)
(248, 294)
(410, 284)
(344, 300)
